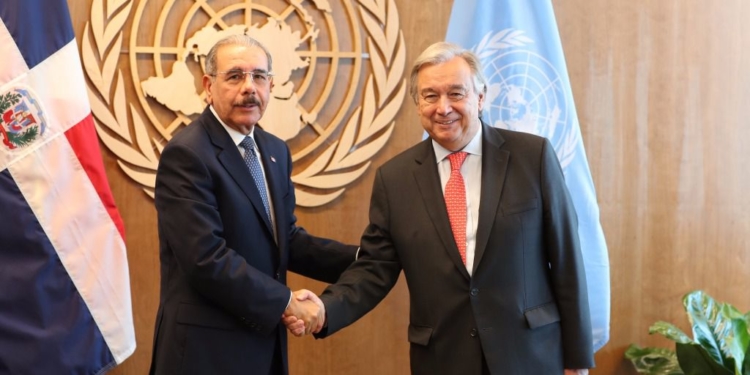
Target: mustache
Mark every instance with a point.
(248, 101)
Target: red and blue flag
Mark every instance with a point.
(64, 285)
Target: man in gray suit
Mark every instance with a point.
(489, 247)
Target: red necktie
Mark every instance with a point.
(455, 201)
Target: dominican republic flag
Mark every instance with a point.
(529, 90)
(64, 284)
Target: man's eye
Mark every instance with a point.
(234, 76)
(456, 95)
(259, 77)
(430, 98)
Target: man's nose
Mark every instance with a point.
(444, 105)
(248, 85)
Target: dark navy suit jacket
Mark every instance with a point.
(223, 274)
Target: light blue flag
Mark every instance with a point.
(529, 90)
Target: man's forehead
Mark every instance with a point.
(450, 87)
(240, 56)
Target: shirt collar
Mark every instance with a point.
(236, 136)
(474, 147)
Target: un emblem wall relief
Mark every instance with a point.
(338, 72)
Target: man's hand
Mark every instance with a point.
(583, 371)
(294, 325)
(305, 314)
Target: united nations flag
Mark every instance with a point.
(529, 90)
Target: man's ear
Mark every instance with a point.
(208, 81)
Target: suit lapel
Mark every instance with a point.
(428, 182)
(494, 168)
(229, 157)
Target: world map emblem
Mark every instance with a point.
(338, 80)
(525, 93)
(22, 120)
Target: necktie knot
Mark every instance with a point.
(248, 144)
(457, 159)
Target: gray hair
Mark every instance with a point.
(441, 52)
(243, 40)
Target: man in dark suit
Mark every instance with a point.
(481, 222)
(227, 231)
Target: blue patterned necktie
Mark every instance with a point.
(251, 159)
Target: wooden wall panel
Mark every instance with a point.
(662, 98)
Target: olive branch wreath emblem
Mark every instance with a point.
(124, 132)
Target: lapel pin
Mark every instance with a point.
(273, 159)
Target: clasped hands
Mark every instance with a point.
(305, 313)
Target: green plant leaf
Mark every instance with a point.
(718, 325)
(654, 361)
(704, 315)
(720, 344)
(695, 360)
(670, 331)
(731, 329)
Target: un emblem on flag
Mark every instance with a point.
(525, 92)
(338, 73)
(21, 118)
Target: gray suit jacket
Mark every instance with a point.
(525, 309)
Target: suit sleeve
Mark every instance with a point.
(192, 227)
(372, 276)
(318, 258)
(566, 263)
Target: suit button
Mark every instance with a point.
(474, 292)
(278, 275)
(473, 332)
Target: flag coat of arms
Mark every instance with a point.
(65, 302)
(529, 90)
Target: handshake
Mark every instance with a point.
(305, 313)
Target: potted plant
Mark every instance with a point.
(719, 345)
